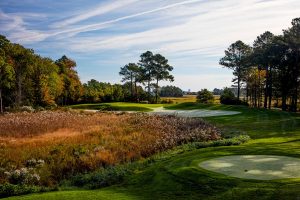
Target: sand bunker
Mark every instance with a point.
(260, 167)
(193, 113)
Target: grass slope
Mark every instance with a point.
(179, 177)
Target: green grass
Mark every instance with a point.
(178, 176)
(117, 106)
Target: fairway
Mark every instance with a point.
(150, 100)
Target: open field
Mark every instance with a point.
(178, 175)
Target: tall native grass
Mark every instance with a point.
(50, 146)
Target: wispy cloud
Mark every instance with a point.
(99, 10)
(15, 25)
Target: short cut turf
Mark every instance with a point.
(259, 167)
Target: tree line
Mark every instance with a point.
(269, 70)
(27, 78)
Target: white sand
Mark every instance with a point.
(193, 113)
(260, 167)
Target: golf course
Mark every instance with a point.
(150, 100)
(181, 173)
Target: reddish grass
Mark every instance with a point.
(71, 142)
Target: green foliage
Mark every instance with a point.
(154, 67)
(170, 91)
(228, 98)
(205, 96)
(236, 59)
(72, 88)
(31, 80)
(7, 190)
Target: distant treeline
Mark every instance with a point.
(27, 78)
(269, 70)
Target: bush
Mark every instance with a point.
(228, 98)
(27, 109)
(205, 96)
(23, 176)
(7, 190)
(167, 101)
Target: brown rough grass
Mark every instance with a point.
(72, 142)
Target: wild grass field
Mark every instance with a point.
(47, 147)
(177, 175)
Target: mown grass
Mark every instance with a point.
(117, 106)
(179, 177)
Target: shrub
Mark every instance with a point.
(23, 176)
(7, 189)
(27, 109)
(205, 96)
(228, 98)
(113, 175)
(167, 101)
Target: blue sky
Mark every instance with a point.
(101, 36)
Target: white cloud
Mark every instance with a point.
(197, 82)
(14, 24)
(99, 10)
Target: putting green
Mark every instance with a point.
(260, 167)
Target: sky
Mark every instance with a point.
(104, 35)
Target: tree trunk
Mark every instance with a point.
(270, 87)
(247, 92)
(255, 93)
(156, 92)
(266, 88)
(131, 86)
(239, 82)
(259, 89)
(284, 102)
(1, 103)
(19, 91)
(296, 82)
(136, 92)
